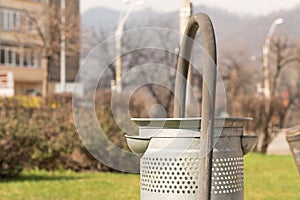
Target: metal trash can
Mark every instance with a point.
(192, 158)
(293, 139)
(170, 164)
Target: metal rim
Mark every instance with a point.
(190, 123)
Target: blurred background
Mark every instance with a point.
(43, 43)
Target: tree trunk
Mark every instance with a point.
(267, 131)
(282, 118)
(45, 78)
(265, 140)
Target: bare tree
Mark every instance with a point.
(162, 95)
(288, 98)
(140, 56)
(236, 73)
(284, 53)
(46, 27)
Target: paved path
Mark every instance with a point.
(279, 145)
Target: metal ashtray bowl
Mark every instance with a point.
(249, 142)
(137, 144)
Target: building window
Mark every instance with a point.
(2, 56)
(25, 59)
(16, 20)
(10, 59)
(10, 19)
(19, 57)
(33, 59)
(1, 19)
(29, 58)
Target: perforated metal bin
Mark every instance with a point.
(293, 138)
(170, 164)
(192, 159)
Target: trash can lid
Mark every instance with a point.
(293, 134)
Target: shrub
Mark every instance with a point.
(15, 138)
(45, 137)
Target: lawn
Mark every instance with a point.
(266, 177)
(271, 177)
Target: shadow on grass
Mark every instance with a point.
(34, 178)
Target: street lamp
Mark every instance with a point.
(63, 48)
(185, 14)
(118, 40)
(266, 52)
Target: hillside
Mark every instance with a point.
(234, 33)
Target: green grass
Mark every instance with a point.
(271, 177)
(266, 177)
(41, 185)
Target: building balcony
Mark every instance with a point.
(25, 74)
(25, 65)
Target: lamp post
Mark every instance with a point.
(266, 52)
(185, 14)
(63, 48)
(118, 41)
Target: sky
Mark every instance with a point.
(242, 7)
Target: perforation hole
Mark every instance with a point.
(180, 175)
(228, 175)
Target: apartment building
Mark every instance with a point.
(22, 51)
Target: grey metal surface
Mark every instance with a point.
(228, 173)
(293, 138)
(180, 160)
(139, 144)
(199, 21)
(189, 123)
(248, 143)
(170, 166)
(169, 169)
